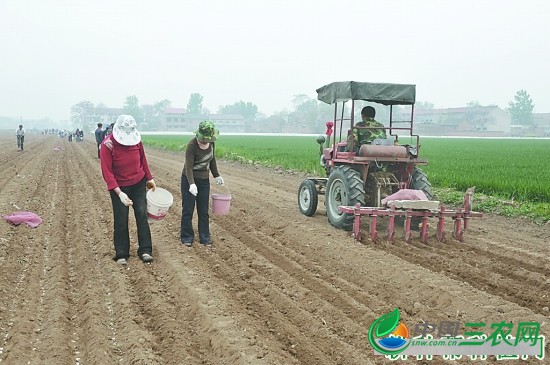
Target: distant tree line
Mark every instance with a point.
(521, 109)
(307, 113)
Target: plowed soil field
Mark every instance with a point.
(276, 288)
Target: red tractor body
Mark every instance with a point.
(359, 177)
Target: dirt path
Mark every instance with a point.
(277, 288)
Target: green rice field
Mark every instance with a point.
(516, 170)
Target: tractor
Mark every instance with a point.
(364, 175)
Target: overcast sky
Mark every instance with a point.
(56, 53)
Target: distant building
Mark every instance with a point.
(541, 123)
(106, 116)
(539, 128)
(271, 124)
(174, 119)
(234, 123)
(487, 121)
(178, 120)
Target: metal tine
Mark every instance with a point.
(460, 217)
(373, 232)
(424, 231)
(391, 224)
(441, 225)
(408, 233)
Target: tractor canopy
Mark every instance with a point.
(387, 94)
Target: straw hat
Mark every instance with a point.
(125, 131)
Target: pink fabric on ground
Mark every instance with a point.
(29, 218)
(405, 194)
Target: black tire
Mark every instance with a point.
(308, 198)
(419, 181)
(344, 188)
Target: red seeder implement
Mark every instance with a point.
(460, 216)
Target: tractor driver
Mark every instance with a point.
(366, 136)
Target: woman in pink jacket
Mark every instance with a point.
(126, 172)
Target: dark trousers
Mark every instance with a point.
(99, 144)
(188, 206)
(121, 235)
(20, 140)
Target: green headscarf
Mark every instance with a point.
(206, 132)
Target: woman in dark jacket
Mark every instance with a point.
(200, 160)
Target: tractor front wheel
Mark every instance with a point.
(344, 188)
(307, 197)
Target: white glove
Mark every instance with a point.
(124, 199)
(219, 180)
(193, 189)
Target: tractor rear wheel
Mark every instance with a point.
(344, 188)
(419, 181)
(307, 197)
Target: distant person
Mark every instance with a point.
(109, 130)
(126, 172)
(366, 136)
(20, 133)
(200, 160)
(98, 136)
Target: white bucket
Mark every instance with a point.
(158, 203)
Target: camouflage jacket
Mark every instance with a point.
(362, 136)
